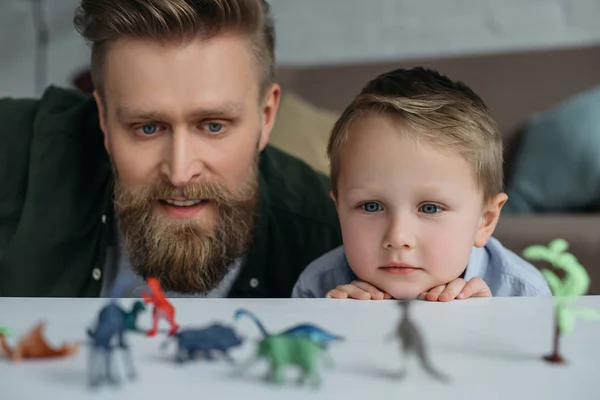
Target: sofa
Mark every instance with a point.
(521, 89)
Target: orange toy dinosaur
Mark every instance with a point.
(162, 307)
(33, 345)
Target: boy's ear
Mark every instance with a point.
(489, 219)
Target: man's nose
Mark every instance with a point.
(400, 233)
(183, 161)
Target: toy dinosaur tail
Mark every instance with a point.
(253, 317)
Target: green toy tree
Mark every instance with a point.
(575, 284)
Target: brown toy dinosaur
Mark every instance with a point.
(33, 345)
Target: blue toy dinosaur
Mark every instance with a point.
(315, 333)
(111, 324)
(207, 340)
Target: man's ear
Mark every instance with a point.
(489, 219)
(102, 119)
(332, 195)
(269, 114)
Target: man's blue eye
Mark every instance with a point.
(371, 206)
(215, 127)
(149, 129)
(430, 208)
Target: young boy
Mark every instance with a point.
(416, 176)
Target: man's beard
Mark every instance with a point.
(187, 256)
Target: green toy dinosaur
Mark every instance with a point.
(575, 284)
(283, 350)
(131, 316)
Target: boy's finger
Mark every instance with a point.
(354, 292)
(476, 287)
(336, 294)
(452, 290)
(422, 296)
(375, 293)
(433, 294)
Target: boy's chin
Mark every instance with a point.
(402, 292)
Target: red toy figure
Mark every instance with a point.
(162, 307)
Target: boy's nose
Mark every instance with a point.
(399, 234)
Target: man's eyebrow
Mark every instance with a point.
(229, 110)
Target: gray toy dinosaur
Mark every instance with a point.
(412, 342)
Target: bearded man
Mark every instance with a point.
(166, 170)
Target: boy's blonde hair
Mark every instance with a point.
(433, 107)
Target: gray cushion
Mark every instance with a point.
(557, 168)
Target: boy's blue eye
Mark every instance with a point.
(371, 206)
(429, 208)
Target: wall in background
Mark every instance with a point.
(325, 32)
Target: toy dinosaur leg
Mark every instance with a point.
(93, 376)
(108, 368)
(276, 372)
(312, 377)
(208, 354)
(155, 317)
(426, 363)
(180, 352)
(128, 361)
(174, 325)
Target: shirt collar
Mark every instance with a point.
(478, 263)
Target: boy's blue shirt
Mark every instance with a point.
(505, 273)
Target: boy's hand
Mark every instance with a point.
(357, 290)
(457, 289)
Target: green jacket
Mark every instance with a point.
(57, 216)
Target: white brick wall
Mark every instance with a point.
(353, 30)
(318, 32)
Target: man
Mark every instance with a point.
(166, 170)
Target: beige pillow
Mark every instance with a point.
(302, 130)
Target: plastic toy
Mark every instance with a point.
(412, 342)
(162, 307)
(206, 341)
(285, 350)
(310, 331)
(575, 283)
(111, 323)
(131, 316)
(33, 345)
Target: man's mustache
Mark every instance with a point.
(160, 190)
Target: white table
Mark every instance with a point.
(491, 348)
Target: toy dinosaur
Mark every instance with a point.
(111, 323)
(285, 350)
(33, 345)
(412, 341)
(575, 284)
(162, 307)
(131, 316)
(310, 331)
(207, 340)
